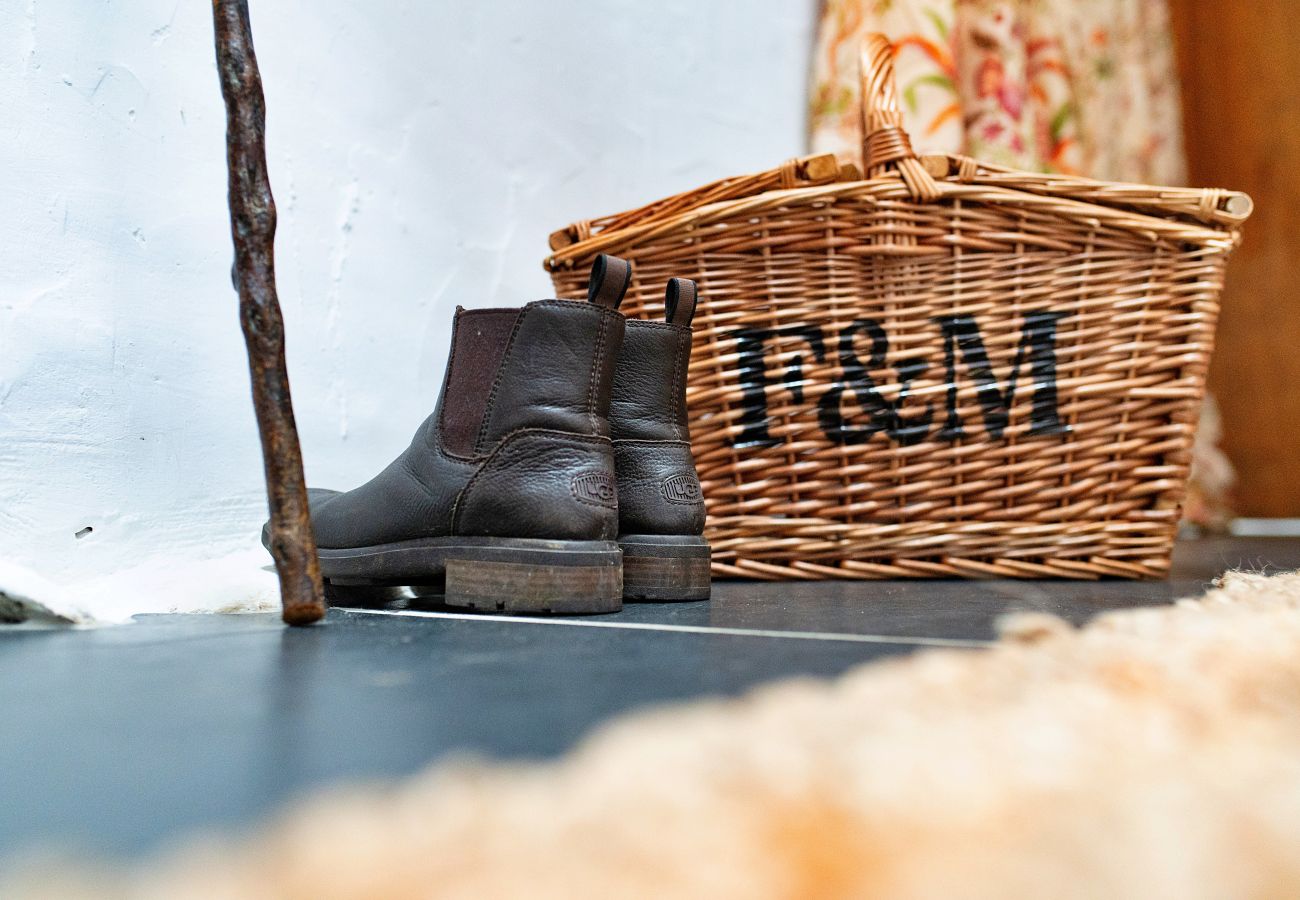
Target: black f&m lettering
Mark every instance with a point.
(754, 381)
(961, 338)
(1037, 343)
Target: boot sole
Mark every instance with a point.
(516, 575)
(665, 567)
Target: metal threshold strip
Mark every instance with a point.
(679, 629)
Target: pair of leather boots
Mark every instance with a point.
(555, 474)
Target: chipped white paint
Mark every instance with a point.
(420, 154)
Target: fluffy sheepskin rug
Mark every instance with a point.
(1153, 754)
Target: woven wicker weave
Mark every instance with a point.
(946, 369)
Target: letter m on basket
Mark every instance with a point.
(931, 389)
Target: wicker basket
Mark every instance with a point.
(946, 369)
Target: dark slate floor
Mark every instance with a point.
(119, 739)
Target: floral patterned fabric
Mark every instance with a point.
(1082, 87)
(1086, 88)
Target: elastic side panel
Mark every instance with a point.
(649, 398)
(478, 345)
(556, 373)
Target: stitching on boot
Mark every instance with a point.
(683, 333)
(605, 316)
(651, 443)
(452, 457)
(505, 446)
(596, 359)
(677, 375)
(661, 326)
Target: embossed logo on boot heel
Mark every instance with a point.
(682, 488)
(596, 488)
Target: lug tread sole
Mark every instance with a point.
(513, 575)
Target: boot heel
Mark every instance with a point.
(538, 577)
(665, 567)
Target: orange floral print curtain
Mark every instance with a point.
(1083, 87)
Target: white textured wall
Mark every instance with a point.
(420, 153)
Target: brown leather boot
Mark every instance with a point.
(509, 487)
(660, 507)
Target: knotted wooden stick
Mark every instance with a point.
(252, 225)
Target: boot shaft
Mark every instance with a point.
(547, 366)
(658, 487)
(649, 394)
(527, 398)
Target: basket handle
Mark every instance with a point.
(885, 145)
(802, 171)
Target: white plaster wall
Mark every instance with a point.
(420, 153)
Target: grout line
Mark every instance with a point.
(681, 629)
(1244, 527)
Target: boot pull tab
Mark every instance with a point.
(610, 277)
(679, 301)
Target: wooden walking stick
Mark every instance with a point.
(252, 225)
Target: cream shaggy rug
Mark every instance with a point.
(1153, 754)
